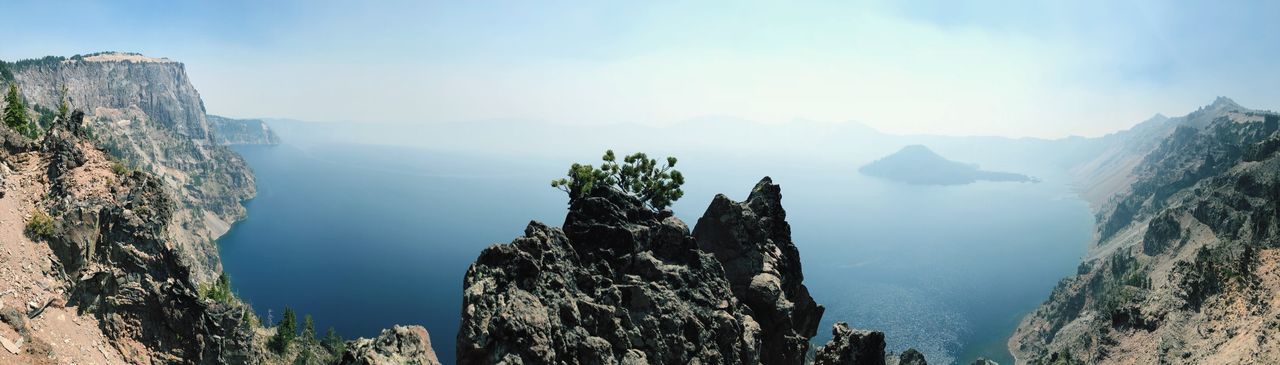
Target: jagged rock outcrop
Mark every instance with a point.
(230, 131)
(619, 284)
(123, 269)
(146, 112)
(851, 347)
(1183, 271)
(409, 345)
(752, 241)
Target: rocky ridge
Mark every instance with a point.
(1183, 270)
(146, 112)
(230, 131)
(111, 259)
(621, 283)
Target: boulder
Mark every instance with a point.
(851, 347)
(911, 357)
(396, 345)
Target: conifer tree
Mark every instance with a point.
(64, 109)
(333, 341)
(286, 332)
(15, 111)
(308, 329)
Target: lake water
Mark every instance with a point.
(363, 237)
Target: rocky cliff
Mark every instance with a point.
(621, 283)
(146, 112)
(230, 131)
(107, 220)
(1184, 267)
(111, 258)
(752, 242)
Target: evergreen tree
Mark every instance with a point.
(15, 111)
(221, 289)
(333, 341)
(64, 109)
(308, 329)
(286, 332)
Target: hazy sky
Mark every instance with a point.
(1010, 68)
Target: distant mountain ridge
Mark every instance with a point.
(231, 131)
(1184, 267)
(917, 164)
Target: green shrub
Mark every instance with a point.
(119, 168)
(334, 342)
(638, 176)
(40, 226)
(220, 290)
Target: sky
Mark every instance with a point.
(1007, 68)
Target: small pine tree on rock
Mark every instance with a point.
(64, 109)
(658, 186)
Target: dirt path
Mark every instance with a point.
(29, 280)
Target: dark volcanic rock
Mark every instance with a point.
(911, 357)
(396, 345)
(60, 144)
(1161, 231)
(752, 240)
(125, 272)
(619, 284)
(851, 347)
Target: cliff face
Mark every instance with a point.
(229, 131)
(103, 261)
(110, 259)
(1184, 269)
(145, 111)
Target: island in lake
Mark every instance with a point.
(917, 164)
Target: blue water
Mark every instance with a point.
(363, 237)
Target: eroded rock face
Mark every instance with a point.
(1191, 245)
(396, 345)
(752, 241)
(124, 271)
(619, 284)
(149, 114)
(851, 347)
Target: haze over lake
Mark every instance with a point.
(365, 236)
